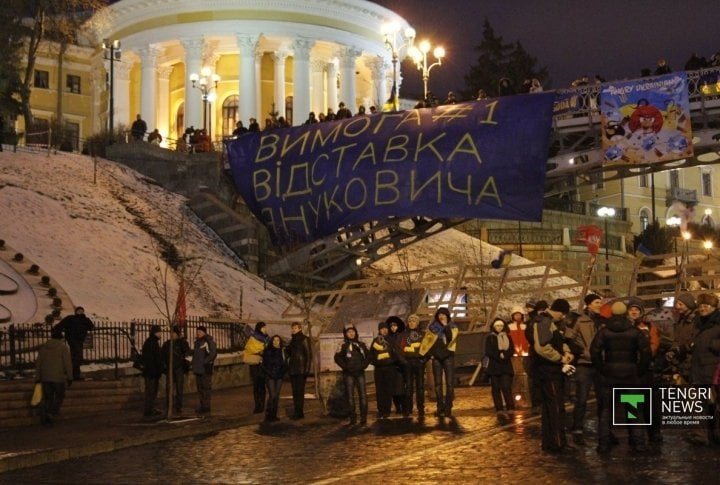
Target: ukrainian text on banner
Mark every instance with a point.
(470, 160)
(646, 120)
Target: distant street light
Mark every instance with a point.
(419, 55)
(200, 81)
(605, 213)
(391, 32)
(112, 54)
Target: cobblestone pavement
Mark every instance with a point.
(472, 448)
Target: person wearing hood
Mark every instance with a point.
(396, 328)
(152, 370)
(299, 365)
(274, 366)
(551, 362)
(439, 343)
(252, 356)
(652, 378)
(579, 338)
(384, 358)
(705, 349)
(410, 341)
(53, 369)
(683, 332)
(203, 361)
(353, 358)
(499, 349)
(621, 354)
(180, 366)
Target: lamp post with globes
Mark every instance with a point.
(419, 54)
(112, 54)
(605, 213)
(391, 32)
(201, 81)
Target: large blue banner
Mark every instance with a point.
(483, 159)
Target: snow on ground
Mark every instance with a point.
(81, 227)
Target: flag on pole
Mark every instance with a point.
(181, 306)
(590, 235)
(392, 104)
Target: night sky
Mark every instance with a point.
(612, 38)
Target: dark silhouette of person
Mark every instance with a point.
(138, 128)
(76, 328)
(53, 368)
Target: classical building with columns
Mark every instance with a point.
(283, 57)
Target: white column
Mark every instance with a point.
(332, 94)
(347, 57)
(301, 80)
(193, 64)
(279, 57)
(378, 70)
(148, 84)
(163, 105)
(122, 93)
(317, 86)
(247, 79)
(258, 82)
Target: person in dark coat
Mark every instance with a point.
(705, 358)
(353, 358)
(180, 366)
(383, 356)
(499, 349)
(203, 361)
(534, 308)
(410, 341)
(621, 353)
(53, 368)
(138, 128)
(396, 327)
(299, 366)
(274, 365)
(76, 327)
(152, 370)
(439, 343)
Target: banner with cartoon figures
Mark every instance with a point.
(646, 121)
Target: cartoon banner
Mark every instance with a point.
(646, 120)
(483, 159)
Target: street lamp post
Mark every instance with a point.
(201, 81)
(391, 32)
(605, 213)
(419, 55)
(112, 54)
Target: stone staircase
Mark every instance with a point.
(238, 231)
(83, 398)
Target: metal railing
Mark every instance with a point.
(111, 342)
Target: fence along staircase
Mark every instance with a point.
(83, 398)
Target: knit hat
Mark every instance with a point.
(259, 326)
(619, 308)
(516, 309)
(530, 303)
(498, 319)
(541, 305)
(591, 298)
(155, 329)
(413, 318)
(202, 328)
(382, 325)
(560, 305)
(707, 299)
(636, 303)
(350, 327)
(687, 300)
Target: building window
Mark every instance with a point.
(674, 179)
(707, 184)
(644, 220)
(643, 180)
(597, 179)
(42, 79)
(72, 84)
(230, 114)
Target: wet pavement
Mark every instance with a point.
(473, 447)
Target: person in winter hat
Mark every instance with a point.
(499, 349)
(383, 357)
(252, 356)
(53, 369)
(684, 331)
(203, 361)
(274, 365)
(396, 327)
(76, 328)
(410, 341)
(516, 330)
(439, 343)
(353, 358)
(152, 369)
(299, 366)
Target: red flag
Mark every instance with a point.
(590, 235)
(181, 307)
